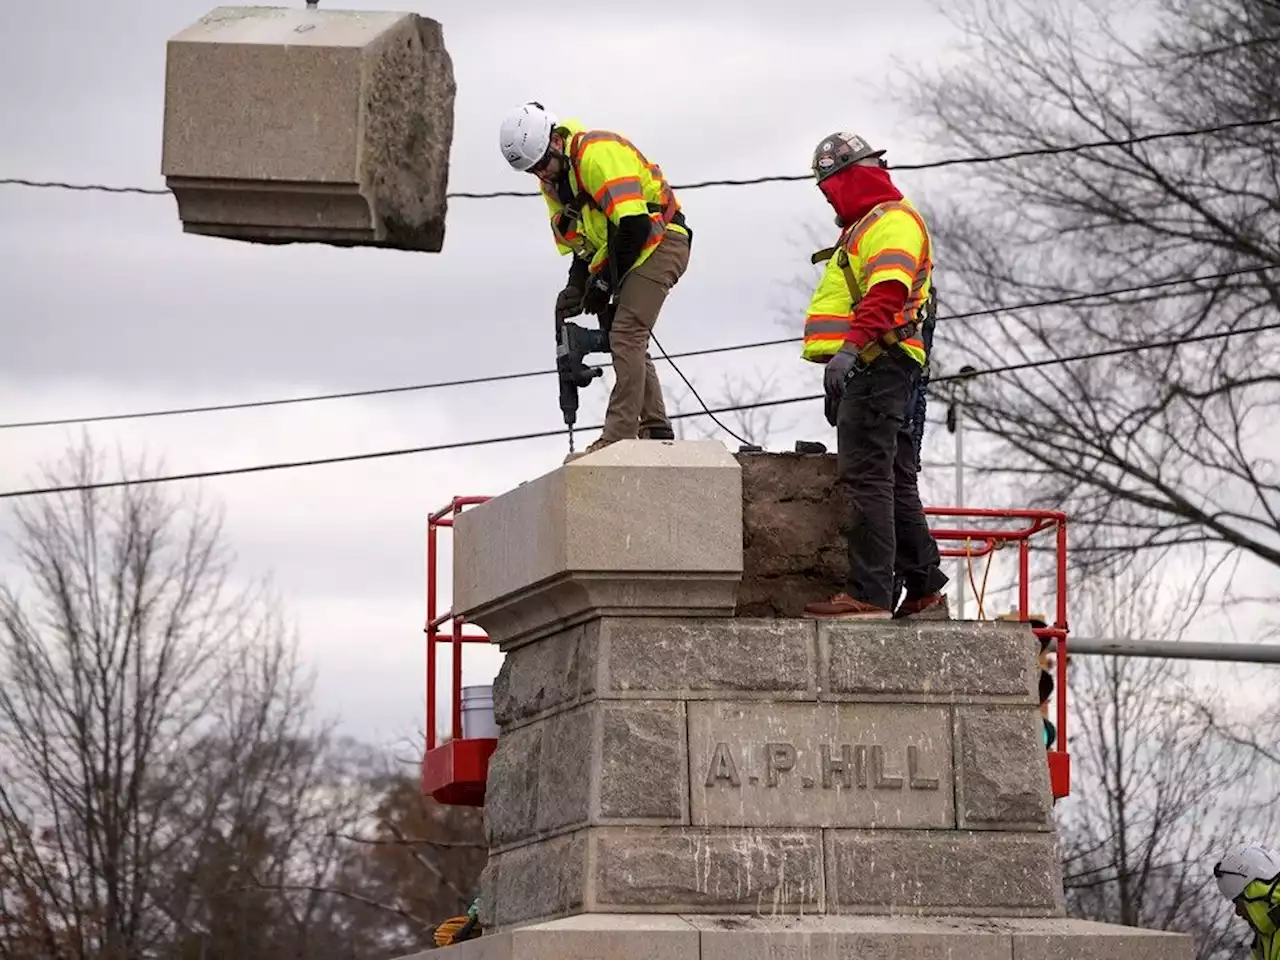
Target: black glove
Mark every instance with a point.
(568, 302)
(597, 297)
(833, 380)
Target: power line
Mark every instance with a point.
(705, 351)
(543, 434)
(749, 181)
(694, 390)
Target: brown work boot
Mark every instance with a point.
(932, 606)
(591, 448)
(844, 607)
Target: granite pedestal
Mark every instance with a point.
(287, 124)
(674, 781)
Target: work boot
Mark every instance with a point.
(932, 606)
(844, 607)
(591, 448)
(659, 433)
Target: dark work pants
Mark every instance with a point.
(876, 445)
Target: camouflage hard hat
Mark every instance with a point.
(838, 151)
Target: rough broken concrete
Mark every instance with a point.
(794, 522)
(289, 124)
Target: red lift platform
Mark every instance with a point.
(981, 541)
(454, 770)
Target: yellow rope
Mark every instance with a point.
(980, 595)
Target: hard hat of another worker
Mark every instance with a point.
(526, 135)
(840, 150)
(1244, 864)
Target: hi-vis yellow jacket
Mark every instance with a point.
(1262, 904)
(612, 180)
(890, 243)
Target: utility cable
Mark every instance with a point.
(702, 352)
(542, 434)
(753, 181)
(692, 389)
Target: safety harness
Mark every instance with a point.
(925, 314)
(571, 214)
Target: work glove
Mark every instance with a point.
(833, 381)
(568, 302)
(597, 297)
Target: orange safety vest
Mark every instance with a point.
(610, 179)
(891, 242)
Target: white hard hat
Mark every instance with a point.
(526, 134)
(1242, 865)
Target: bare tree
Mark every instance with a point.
(412, 864)
(1151, 450)
(1157, 793)
(160, 773)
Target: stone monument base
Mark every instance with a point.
(605, 936)
(297, 125)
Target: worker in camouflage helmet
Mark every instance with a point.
(1249, 876)
(870, 323)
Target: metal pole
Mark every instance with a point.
(955, 423)
(961, 582)
(1172, 649)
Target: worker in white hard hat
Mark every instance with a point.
(1249, 876)
(870, 323)
(612, 210)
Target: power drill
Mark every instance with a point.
(573, 343)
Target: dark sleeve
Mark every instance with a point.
(628, 241)
(578, 273)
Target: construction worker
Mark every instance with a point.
(614, 212)
(1249, 876)
(864, 323)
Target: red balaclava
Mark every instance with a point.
(853, 192)
(856, 189)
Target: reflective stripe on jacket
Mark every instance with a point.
(890, 243)
(613, 180)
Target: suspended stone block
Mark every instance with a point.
(285, 125)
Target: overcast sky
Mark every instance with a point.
(106, 306)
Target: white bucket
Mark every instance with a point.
(477, 713)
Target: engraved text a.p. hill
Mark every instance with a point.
(846, 765)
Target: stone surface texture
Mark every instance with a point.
(770, 871)
(821, 765)
(984, 874)
(286, 124)
(641, 527)
(702, 936)
(794, 522)
(754, 766)
(929, 660)
(1003, 779)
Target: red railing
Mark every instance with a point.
(1021, 526)
(454, 636)
(977, 541)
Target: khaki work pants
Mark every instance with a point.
(635, 405)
